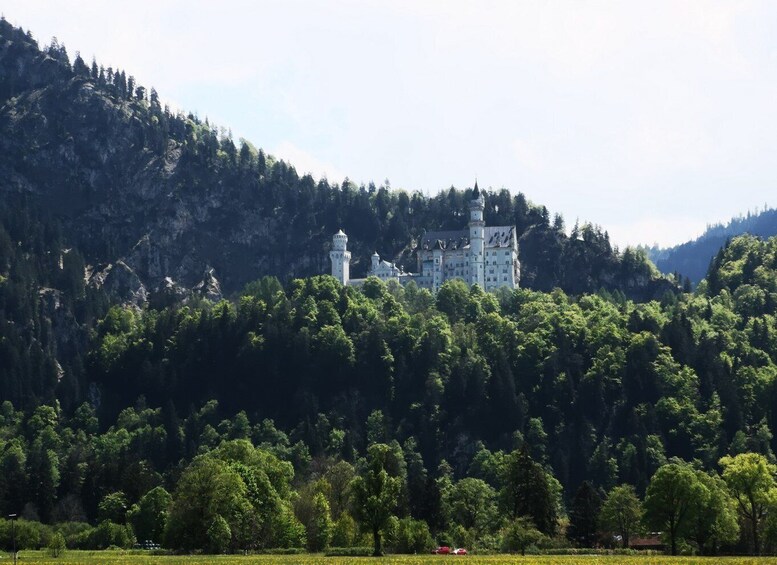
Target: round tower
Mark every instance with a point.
(341, 257)
(375, 262)
(477, 235)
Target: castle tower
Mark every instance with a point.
(477, 228)
(341, 258)
(375, 262)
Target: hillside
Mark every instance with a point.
(692, 259)
(162, 203)
(585, 389)
(174, 365)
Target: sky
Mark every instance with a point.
(652, 119)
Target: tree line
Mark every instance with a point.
(247, 488)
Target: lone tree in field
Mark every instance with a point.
(375, 494)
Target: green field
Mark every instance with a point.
(128, 558)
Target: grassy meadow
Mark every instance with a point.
(138, 558)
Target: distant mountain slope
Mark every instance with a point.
(692, 259)
(160, 203)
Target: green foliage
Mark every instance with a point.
(670, 501)
(113, 507)
(621, 513)
(107, 534)
(715, 515)
(519, 534)
(29, 534)
(319, 530)
(529, 491)
(149, 516)
(344, 531)
(751, 481)
(412, 536)
(583, 516)
(688, 378)
(219, 535)
(56, 546)
(472, 504)
(208, 488)
(375, 493)
(592, 387)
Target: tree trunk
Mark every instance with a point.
(378, 550)
(625, 539)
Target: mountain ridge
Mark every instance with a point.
(692, 258)
(171, 205)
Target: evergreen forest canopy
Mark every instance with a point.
(457, 401)
(300, 401)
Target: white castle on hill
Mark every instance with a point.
(482, 255)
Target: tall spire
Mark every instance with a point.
(477, 191)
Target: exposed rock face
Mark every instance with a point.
(209, 286)
(122, 283)
(141, 211)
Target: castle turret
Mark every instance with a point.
(438, 256)
(477, 227)
(375, 262)
(341, 257)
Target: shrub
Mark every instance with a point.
(360, 551)
(56, 545)
(412, 536)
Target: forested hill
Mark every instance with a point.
(586, 388)
(158, 203)
(691, 259)
(124, 375)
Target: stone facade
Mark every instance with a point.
(482, 255)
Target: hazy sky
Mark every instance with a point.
(651, 119)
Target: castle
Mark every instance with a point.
(482, 255)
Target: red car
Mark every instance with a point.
(442, 550)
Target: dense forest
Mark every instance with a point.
(462, 390)
(174, 367)
(692, 258)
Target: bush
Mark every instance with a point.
(73, 532)
(520, 535)
(28, 534)
(412, 536)
(360, 551)
(56, 545)
(344, 532)
(108, 534)
(458, 536)
(283, 551)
